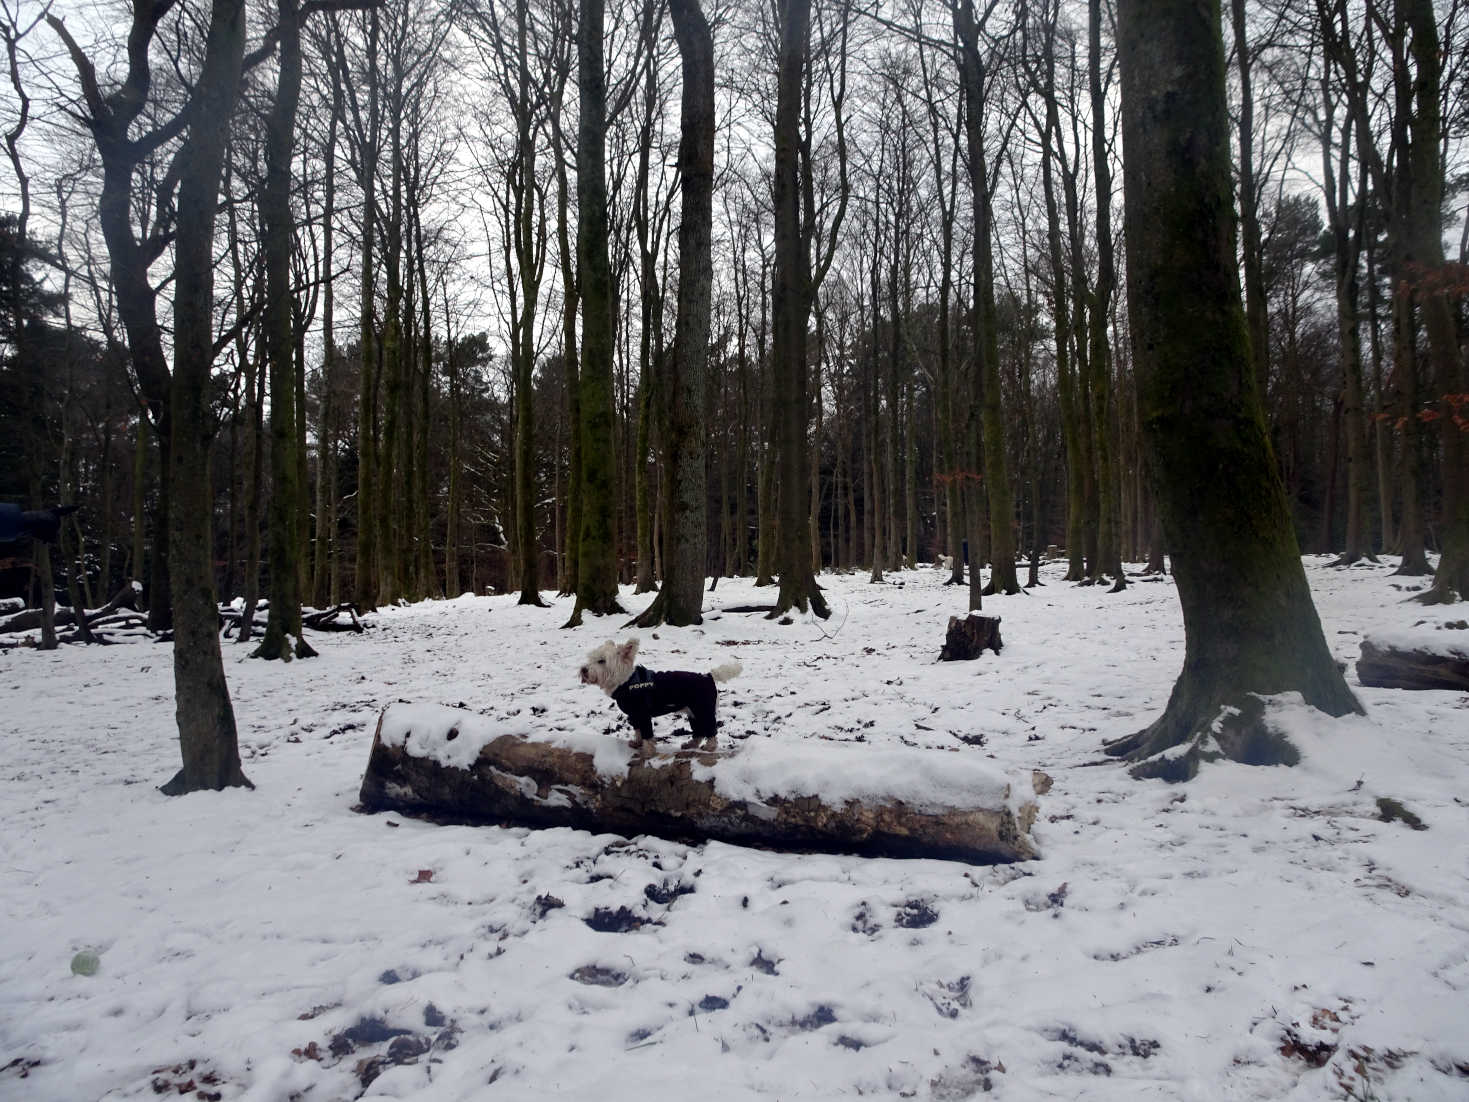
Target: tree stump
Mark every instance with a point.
(970, 636)
(1392, 666)
(812, 796)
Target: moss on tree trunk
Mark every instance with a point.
(1250, 624)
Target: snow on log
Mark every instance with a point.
(29, 619)
(808, 796)
(1415, 661)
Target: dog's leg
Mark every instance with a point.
(701, 720)
(692, 743)
(642, 743)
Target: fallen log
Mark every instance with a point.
(327, 619)
(969, 637)
(820, 796)
(1395, 665)
(30, 619)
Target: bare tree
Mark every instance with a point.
(596, 589)
(680, 601)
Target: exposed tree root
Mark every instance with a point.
(1174, 747)
(181, 785)
(800, 591)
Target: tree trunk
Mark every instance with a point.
(137, 558)
(766, 487)
(876, 432)
(254, 473)
(1103, 389)
(1257, 311)
(425, 569)
(283, 638)
(206, 719)
(680, 602)
(452, 577)
(1250, 626)
(454, 765)
(1003, 577)
(1061, 316)
(528, 250)
(392, 480)
(645, 488)
(1449, 394)
(1382, 444)
(369, 552)
(325, 560)
(791, 292)
(1347, 223)
(570, 303)
(596, 590)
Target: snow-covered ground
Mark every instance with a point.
(1254, 934)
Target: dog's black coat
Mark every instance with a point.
(646, 694)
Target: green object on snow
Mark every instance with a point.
(85, 963)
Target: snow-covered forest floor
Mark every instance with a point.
(1254, 934)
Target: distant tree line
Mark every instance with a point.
(364, 301)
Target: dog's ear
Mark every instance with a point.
(628, 651)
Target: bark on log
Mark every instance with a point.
(1389, 667)
(455, 766)
(970, 636)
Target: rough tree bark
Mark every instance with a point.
(1102, 389)
(596, 585)
(206, 719)
(680, 602)
(283, 638)
(1003, 578)
(1250, 626)
(525, 245)
(365, 584)
(1347, 223)
(790, 295)
(968, 637)
(1052, 149)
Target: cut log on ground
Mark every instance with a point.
(819, 796)
(970, 636)
(1387, 666)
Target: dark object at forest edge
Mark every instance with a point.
(969, 637)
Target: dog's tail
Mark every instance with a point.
(726, 672)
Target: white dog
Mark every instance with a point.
(643, 694)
